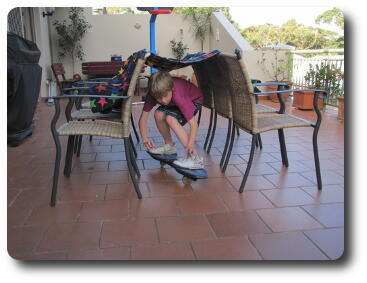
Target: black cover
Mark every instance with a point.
(24, 81)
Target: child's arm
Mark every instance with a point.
(143, 121)
(192, 136)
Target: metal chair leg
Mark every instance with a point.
(317, 160)
(260, 141)
(249, 163)
(213, 131)
(230, 122)
(130, 167)
(283, 148)
(133, 158)
(135, 131)
(56, 169)
(199, 118)
(79, 146)
(69, 156)
(229, 149)
(133, 147)
(209, 128)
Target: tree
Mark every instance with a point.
(71, 34)
(334, 16)
(292, 33)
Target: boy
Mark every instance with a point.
(179, 102)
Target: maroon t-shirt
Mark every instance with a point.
(183, 95)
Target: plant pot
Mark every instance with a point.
(303, 100)
(273, 96)
(341, 108)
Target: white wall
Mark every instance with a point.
(116, 34)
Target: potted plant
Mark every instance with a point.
(324, 76)
(279, 70)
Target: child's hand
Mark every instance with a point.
(148, 144)
(191, 150)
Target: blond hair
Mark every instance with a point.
(159, 84)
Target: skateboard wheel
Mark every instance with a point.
(187, 181)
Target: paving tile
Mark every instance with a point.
(328, 177)
(125, 191)
(201, 203)
(176, 188)
(288, 219)
(121, 253)
(225, 249)
(127, 233)
(45, 214)
(330, 241)
(328, 194)
(212, 185)
(93, 192)
(70, 236)
(23, 240)
(287, 180)
(237, 224)
(245, 201)
(289, 197)
(154, 207)
(30, 198)
(116, 177)
(286, 246)
(330, 215)
(183, 228)
(17, 216)
(174, 251)
(253, 183)
(104, 210)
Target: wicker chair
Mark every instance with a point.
(212, 79)
(106, 128)
(246, 117)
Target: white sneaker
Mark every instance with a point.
(190, 162)
(164, 149)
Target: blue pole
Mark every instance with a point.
(152, 37)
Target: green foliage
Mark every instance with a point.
(326, 76)
(200, 20)
(71, 33)
(178, 48)
(292, 33)
(334, 16)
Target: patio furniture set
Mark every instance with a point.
(227, 89)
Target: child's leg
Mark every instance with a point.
(178, 129)
(164, 129)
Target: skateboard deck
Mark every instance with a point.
(189, 173)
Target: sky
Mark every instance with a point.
(252, 16)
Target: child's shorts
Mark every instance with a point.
(174, 111)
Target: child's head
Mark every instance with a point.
(160, 87)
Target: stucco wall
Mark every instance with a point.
(117, 34)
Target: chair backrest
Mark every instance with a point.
(58, 70)
(126, 104)
(201, 70)
(241, 92)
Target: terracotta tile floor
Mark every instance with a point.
(281, 215)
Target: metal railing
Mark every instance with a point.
(302, 64)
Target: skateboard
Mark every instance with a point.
(189, 175)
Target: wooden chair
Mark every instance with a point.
(106, 128)
(61, 81)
